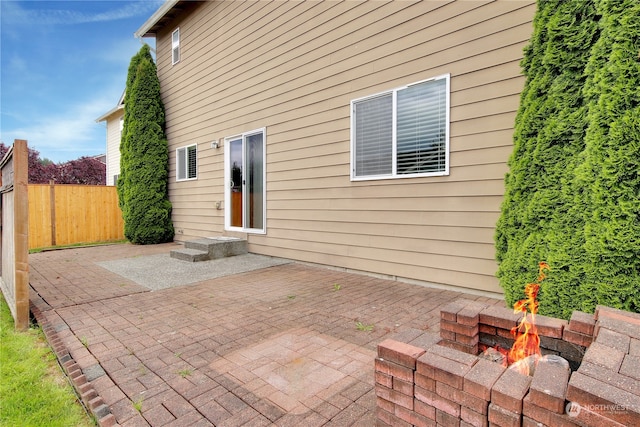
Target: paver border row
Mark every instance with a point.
(88, 397)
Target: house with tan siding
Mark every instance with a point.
(371, 136)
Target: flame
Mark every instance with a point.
(527, 340)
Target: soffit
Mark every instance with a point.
(168, 11)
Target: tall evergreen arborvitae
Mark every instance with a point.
(573, 190)
(124, 147)
(611, 169)
(549, 134)
(513, 227)
(144, 156)
(574, 30)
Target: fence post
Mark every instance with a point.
(52, 208)
(14, 250)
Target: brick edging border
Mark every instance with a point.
(89, 398)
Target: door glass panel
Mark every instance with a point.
(254, 185)
(235, 182)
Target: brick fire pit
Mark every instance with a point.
(429, 380)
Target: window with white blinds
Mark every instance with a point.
(175, 46)
(186, 163)
(373, 124)
(402, 133)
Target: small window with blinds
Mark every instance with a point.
(402, 133)
(186, 163)
(175, 46)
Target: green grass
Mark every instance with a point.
(364, 328)
(33, 390)
(185, 372)
(137, 404)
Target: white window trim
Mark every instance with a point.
(174, 46)
(186, 165)
(394, 175)
(227, 186)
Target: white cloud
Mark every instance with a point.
(15, 14)
(17, 64)
(118, 50)
(68, 134)
(54, 111)
(128, 11)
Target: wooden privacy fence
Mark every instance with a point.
(64, 214)
(14, 229)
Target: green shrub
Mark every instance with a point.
(610, 171)
(573, 190)
(142, 185)
(548, 137)
(124, 140)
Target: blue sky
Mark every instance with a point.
(63, 65)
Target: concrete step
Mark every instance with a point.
(191, 255)
(199, 244)
(219, 247)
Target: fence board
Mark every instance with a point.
(79, 214)
(39, 216)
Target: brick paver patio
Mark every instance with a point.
(273, 347)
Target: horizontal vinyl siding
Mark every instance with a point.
(293, 68)
(113, 147)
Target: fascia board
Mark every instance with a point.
(143, 31)
(109, 113)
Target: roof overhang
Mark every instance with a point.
(110, 113)
(117, 109)
(167, 11)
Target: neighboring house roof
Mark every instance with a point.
(166, 12)
(101, 158)
(109, 113)
(112, 112)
